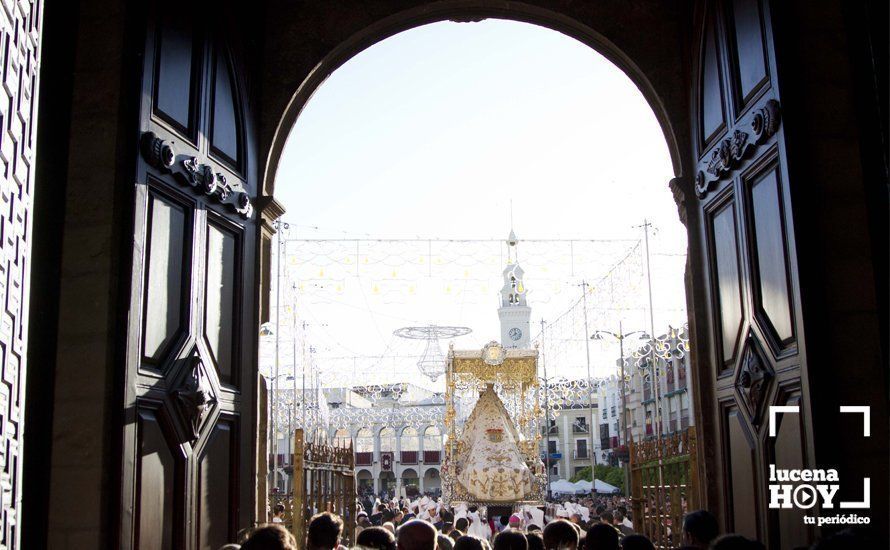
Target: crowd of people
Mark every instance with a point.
(429, 525)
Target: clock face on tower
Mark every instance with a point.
(515, 334)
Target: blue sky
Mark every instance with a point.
(434, 132)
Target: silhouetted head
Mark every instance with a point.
(510, 539)
(270, 537)
(601, 536)
(416, 535)
(700, 528)
(324, 531)
(560, 534)
(376, 537)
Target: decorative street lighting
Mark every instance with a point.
(432, 362)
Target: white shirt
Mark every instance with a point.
(627, 523)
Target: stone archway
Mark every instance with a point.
(286, 106)
(655, 81)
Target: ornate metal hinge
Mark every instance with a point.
(190, 171)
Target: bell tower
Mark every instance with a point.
(514, 312)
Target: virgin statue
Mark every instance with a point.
(491, 466)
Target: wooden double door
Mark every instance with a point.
(189, 450)
(752, 320)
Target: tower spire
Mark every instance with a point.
(514, 312)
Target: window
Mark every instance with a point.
(551, 447)
(580, 448)
(580, 424)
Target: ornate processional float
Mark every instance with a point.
(493, 419)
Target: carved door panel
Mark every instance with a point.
(188, 452)
(756, 335)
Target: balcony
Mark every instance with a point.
(432, 457)
(364, 459)
(409, 457)
(580, 454)
(579, 428)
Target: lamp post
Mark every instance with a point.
(546, 417)
(278, 225)
(589, 387)
(271, 441)
(621, 336)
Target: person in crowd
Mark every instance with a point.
(469, 542)
(533, 528)
(376, 538)
(478, 527)
(270, 537)
(416, 535)
(390, 526)
(447, 524)
(503, 523)
(444, 543)
(407, 515)
(608, 518)
(561, 535)
(230, 546)
(376, 517)
(636, 542)
(510, 539)
(278, 513)
(361, 523)
(736, 542)
(601, 536)
(324, 532)
(619, 524)
(515, 522)
(626, 521)
(398, 517)
(535, 539)
(699, 529)
(576, 520)
(461, 525)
